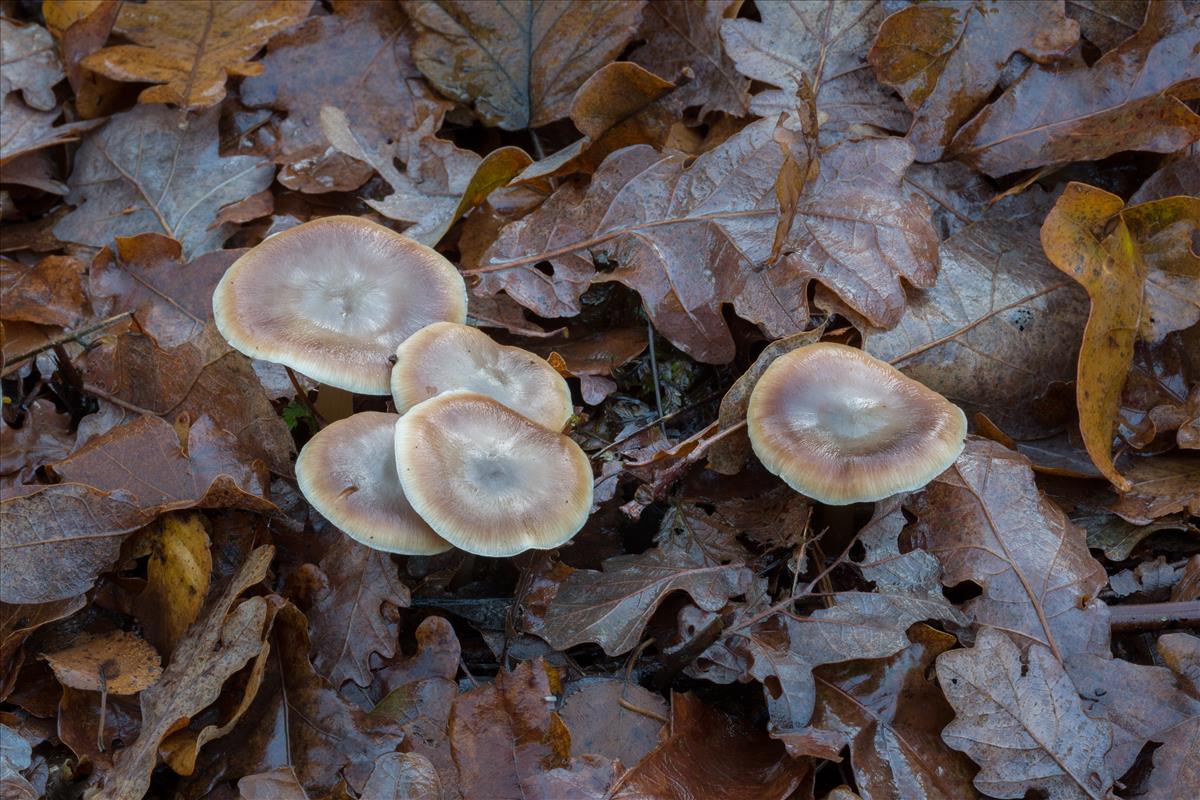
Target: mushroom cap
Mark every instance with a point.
(446, 355)
(348, 472)
(843, 427)
(489, 480)
(333, 298)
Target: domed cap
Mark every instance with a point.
(446, 355)
(843, 427)
(333, 298)
(348, 473)
(489, 480)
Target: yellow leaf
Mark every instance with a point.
(177, 578)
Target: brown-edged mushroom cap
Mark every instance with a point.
(348, 473)
(334, 297)
(488, 479)
(446, 355)
(843, 427)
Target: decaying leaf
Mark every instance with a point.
(189, 49)
(48, 293)
(601, 725)
(518, 62)
(177, 579)
(1131, 99)
(31, 65)
(157, 170)
(945, 57)
(402, 776)
(117, 662)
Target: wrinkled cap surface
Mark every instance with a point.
(843, 427)
(488, 479)
(348, 473)
(446, 355)
(334, 297)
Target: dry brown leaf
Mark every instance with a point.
(177, 578)
(1131, 99)
(601, 725)
(48, 293)
(518, 62)
(157, 170)
(17, 623)
(190, 49)
(944, 58)
(1107, 23)
(402, 776)
(1022, 722)
(118, 662)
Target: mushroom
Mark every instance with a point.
(446, 355)
(489, 480)
(843, 427)
(348, 472)
(334, 297)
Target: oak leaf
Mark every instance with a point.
(1176, 764)
(31, 64)
(189, 49)
(156, 170)
(1107, 23)
(1131, 99)
(518, 62)
(48, 293)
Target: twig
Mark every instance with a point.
(625, 704)
(654, 372)
(63, 338)
(537, 144)
(462, 664)
(1151, 616)
(303, 395)
(96, 391)
(648, 426)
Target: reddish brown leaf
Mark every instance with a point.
(350, 620)
(48, 293)
(825, 43)
(402, 776)
(1022, 722)
(601, 725)
(44, 436)
(712, 755)
(944, 58)
(158, 170)
(685, 34)
(1131, 99)
(170, 298)
(389, 99)
(518, 63)
(189, 49)
(986, 521)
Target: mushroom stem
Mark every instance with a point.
(1151, 616)
(334, 403)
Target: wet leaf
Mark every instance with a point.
(48, 293)
(18, 622)
(1131, 99)
(118, 662)
(188, 50)
(170, 297)
(31, 64)
(826, 43)
(27, 130)
(518, 63)
(44, 436)
(986, 521)
(1177, 764)
(1165, 231)
(601, 725)
(278, 784)
(402, 776)
(685, 34)
(157, 170)
(349, 621)
(177, 579)
(944, 58)
(712, 755)
(1107, 23)
(389, 100)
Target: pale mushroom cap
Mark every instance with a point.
(334, 297)
(348, 473)
(489, 480)
(446, 355)
(843, 427)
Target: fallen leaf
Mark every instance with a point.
(1022, 722)
(1110, 267)
(17, 623)
(593, 357)
(188, 50)
(278, 784)
(16, 755)
(1131, 99)
(682, 34)
(1179, 175)
(220, 644)
(118, 662)
(891, 714)
(1176, 764)
(1165, 231)
(27, 130)
(601, 725)
(997, 328)
(44, 436)
(944, 58)
(157, 170)
(1159, 487)
(374, 82)
(987, 522)
(518, 63)
(31, 64)
(402, 776)
(1107, 23)
(48, 293)
(711, 755)
(349, 622)
(144, 459)
(177, 579)
(56, 540)
(170, 298)
(825, 43)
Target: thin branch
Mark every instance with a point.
(654, 372)
(1151, 616)
(303, 395)
(63, 338)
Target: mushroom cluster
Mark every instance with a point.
(475, 458)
